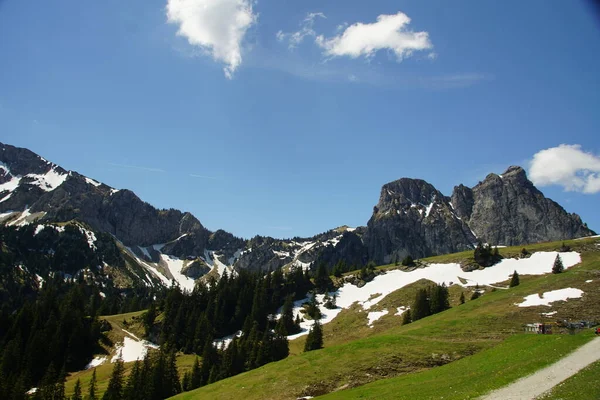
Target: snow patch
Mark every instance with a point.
(92, 182)
(96, 361)
(589, 281)
(223, 343)
(49, 181)
(11, 185)
(22, 220)
(175, 265)
(374, 316)
(90, 236)
(132, 350)
(428, 209)
(132, 335)
(401, 310)
(550, 297)
(549, 314)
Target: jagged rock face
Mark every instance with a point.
(462, 202)
(509, 210)
(120, 213)
(413, 218)
(349, 249)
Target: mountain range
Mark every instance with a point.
(411, 218)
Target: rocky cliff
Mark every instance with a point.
(508, 210)
(413, 218)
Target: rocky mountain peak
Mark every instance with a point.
(20, 162)
(509, 210)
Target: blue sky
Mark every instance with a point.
(258, 132)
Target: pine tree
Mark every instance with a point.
(322, 281)
(314, 340)
(406, 318)
(558, 266)
(196, 380)
(420, 308)
(92, 387)
(114, 391)
(514, 281)
(77, 391)
(134, 384)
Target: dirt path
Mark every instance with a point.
(545, 379)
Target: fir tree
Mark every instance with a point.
(514, 281)
(420, 308)
(92, 387)
(114, 391)
(314, 340)
(406, 318)
(77, 391)
(322, 281)
(196, 378)
(438, 299)
(408, 261)
(134, 384)
(558, 266)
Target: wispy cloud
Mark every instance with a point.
(141, 168)
(218, 27)
(203, 176)
(306, 30)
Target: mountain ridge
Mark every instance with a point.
(412, 218)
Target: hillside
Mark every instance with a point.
(488, 328)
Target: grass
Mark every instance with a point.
(322, 371)
(356, 355)
(476, 375)
(583, 385)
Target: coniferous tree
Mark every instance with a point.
(322, 281)
(420, 308)
(408, 261)
(461, 300)
(406, 317)
(114, 391)
(514, 281)
(438, 299)
(77, 391)
(134, 383)
(314, 340)
(558, 266)
(92, 387)
(196, 378)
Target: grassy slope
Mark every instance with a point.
(355, 355)
(473, 376)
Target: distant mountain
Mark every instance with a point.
(411, 217)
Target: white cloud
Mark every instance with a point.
(306, 29)
(389, 32)
(216, 26)
(568, 166)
